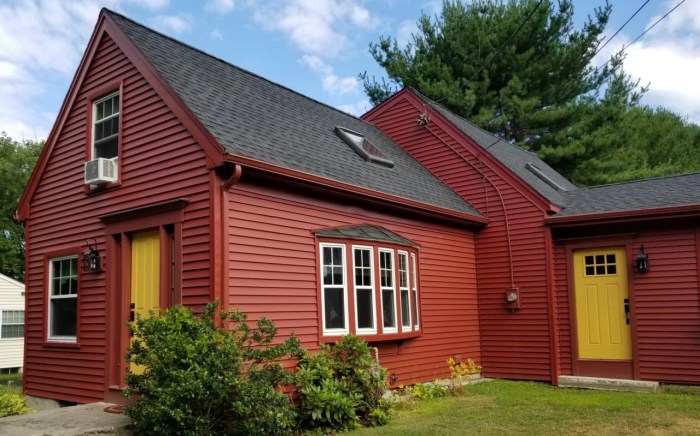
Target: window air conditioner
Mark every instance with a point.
(100, 171)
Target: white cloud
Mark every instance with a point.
(405, 33)
(172, 23)
(358, 108)
(315, 26)
(221, 6)
(330, 81)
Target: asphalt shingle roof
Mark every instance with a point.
(512, 156)
(632, 196)
(259, 119)
(365, 232)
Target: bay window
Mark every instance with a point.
(368, 288)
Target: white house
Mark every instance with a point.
(11, 324)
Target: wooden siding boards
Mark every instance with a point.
(514, 344)
(272, 256)
(159, 161)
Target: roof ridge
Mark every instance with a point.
(184, 44)
(629, 182)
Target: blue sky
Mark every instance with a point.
(316, 47)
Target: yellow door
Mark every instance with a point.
(603, 325)
(145, 277)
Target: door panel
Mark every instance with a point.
(145, 276)
(600, 277)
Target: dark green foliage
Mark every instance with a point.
(206, 377)
(17, 159)
(341, 387)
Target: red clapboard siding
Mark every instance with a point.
(514, 345)
(272, 273)
(564, 321)
(159, 161)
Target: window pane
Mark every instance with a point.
(334, 308)
(327, 275)
(108, 148)
(337, 275)
(12, 331)
(612, 269)
(388, 312)
(327, 257)
(590, 271)
(405, 313)
(610, 258)
(63, 316)
(600, 270)
(414, 307)
(337, 256)
(600, 258)
(589, 260)
(365, 308)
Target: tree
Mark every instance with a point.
(17, 160)
(515, 68)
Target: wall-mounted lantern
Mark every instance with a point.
(641, 262)
(91, 258)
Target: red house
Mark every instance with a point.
(173, 177)
(603, 281)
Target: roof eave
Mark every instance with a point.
(472, 220)
(682, 211)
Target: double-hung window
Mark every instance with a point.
(365, 315)
(368, 283)
(334, 290)
(63, 299)
(12, 324)
(105, 127)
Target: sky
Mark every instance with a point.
(315, 47)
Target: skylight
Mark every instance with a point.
(545, 178)
(363, 147)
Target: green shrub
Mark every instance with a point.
(206, 377)
(427, 391)
(13, 404)
(341, 387)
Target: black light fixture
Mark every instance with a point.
(642, 261)
(91, 258)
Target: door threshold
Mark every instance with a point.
(607, 384)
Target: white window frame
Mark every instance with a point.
(345, 330)
(414, 294)
(394, 329)
(12, 309)
(56, 338)
(407, 289)
(371, 287)
(95, 121)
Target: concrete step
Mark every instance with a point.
(83, 420)
(607, 384)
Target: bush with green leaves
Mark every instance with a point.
(203, 376)
(341, 387)
(13, 404)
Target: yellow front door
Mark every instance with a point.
(145, 276)
(602, 299)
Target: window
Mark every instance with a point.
(12, 324)
(63, 298)
(600, 265)
(333, 289)
(364, 290)
(404, 290)
(414, 290)
(368, 283)
(363, 147)
(105, 132)
(386, 277)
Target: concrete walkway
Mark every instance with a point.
(86, 419)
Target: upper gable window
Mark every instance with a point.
(105, 138)
(363, 147)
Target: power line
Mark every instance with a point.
(621, 27)
(643, 33)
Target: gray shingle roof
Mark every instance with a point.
(631, 196)
(513, 157)
(365, 232)
(259, 119)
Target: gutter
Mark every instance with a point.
(624, 216)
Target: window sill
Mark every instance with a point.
(384, 337)
(57, 344)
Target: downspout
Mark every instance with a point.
(226, 185)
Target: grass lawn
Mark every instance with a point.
(9, 382)
(506, 407)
